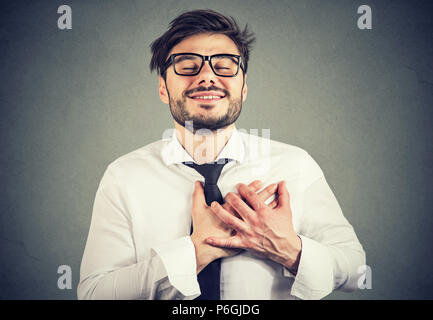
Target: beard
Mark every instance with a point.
(181, 115)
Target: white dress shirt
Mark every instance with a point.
(139, 244)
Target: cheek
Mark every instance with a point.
(177, 86)
(234, 87)
(227, 84)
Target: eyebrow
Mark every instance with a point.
(227, 55)
(185, 57)
(181, 58)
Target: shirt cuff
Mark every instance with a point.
(178, 258)
(315, 277)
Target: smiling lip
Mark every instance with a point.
(207, 96)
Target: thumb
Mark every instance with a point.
(230, 242)
(198, 198)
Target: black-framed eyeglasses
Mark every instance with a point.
(190, 64)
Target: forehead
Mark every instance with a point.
(206, 44)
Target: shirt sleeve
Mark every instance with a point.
(331, 252)
(110, 268)
(178, 257)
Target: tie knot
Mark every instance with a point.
(210, 171)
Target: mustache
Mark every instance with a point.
(211, 88)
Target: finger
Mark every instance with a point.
(231, 242)
(241, 208)
(251, 197)
(226, 205)
(267, 192)
(283, 195)
(198, 198)
(228, 218)
(273, 204)
(255, 185)
(229, 208)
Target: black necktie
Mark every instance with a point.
(209, 277)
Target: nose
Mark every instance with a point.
(206, 75)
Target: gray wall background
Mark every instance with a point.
(359, 101)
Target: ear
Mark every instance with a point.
(163, 93)
(245, 89)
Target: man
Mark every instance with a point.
(158, 232)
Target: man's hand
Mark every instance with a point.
(206, 224)
(266, 232)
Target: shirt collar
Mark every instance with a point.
(173, 152)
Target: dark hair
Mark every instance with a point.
(195, 22)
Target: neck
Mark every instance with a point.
(203, 146)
